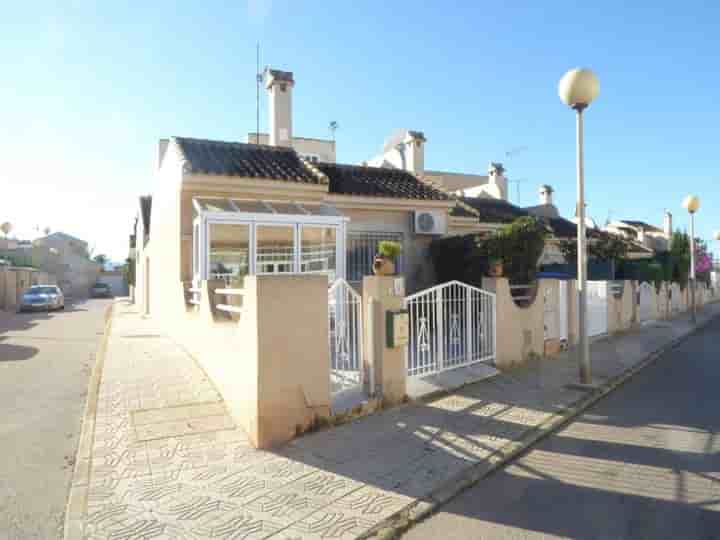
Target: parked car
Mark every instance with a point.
(42, 297)
(101, 290)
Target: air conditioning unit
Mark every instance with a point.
(430, 222)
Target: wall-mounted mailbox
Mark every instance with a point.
(397, 328)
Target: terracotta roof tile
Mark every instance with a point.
(246, 160)
(378, 182)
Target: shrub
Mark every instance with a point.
(458, 258)
(519, 246)
(389, 249)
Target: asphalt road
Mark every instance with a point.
(45, 362)
(644, 463)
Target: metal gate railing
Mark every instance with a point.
(345, 336)
(451, 325)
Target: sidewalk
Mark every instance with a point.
(181, 470)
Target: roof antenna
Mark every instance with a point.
(258, 80)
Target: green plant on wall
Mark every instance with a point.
(389, 249)
(680, 257)
(519, 246)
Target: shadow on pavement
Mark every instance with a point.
(642, 463)
(13, 353)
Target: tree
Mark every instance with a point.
(680, 257)
(607, 247)
(100, 258)
(519, 246)
(6, 228)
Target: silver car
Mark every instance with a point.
(42, 297)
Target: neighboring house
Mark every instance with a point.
(655, 238)
(67, 258)
(405, 150)
(490, 214)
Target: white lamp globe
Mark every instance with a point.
(717, 235)
(578, 87)
(691, 203)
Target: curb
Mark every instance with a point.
(393, 526)
(77, 498)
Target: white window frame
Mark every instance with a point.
(206, 218)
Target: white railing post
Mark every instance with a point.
(468, 325)
(439, 333)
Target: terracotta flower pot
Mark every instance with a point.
(383, 266)
(495, 269)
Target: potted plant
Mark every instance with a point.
(495, 267)
(384, 263)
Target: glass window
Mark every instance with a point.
(289, 208)
(275, 249)
(252, 207)
(229, 252)
(215, 205)
(361, 250)
(317, 251)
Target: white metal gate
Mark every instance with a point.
(345, 337)
(451, 325)
(597, 307)
(647, 302)
(551, 313)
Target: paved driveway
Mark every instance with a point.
(45, 361)
(643, 463)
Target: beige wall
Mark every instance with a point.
(520, 331)
(387, 365)
(324, 149)
(457, 181)
(272, 370)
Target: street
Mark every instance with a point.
(642, 463)
(45, 362)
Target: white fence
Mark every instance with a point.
(597, 301)
(647, 302)
(345, 337)
(451, 325)
(556, 312)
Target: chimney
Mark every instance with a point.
(546, 194)
(415, 152)
(667, 224)
(162, 148)
(496, 177)
(279, 85)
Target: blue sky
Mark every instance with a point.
(87, 88)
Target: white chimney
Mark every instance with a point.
(279, 85)
(667, 224)
(546, 194)
(415, 152)
(496, 177)
(162, 148)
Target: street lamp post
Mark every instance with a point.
(577, 89)
(692, 204)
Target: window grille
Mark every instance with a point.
(361, 250)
